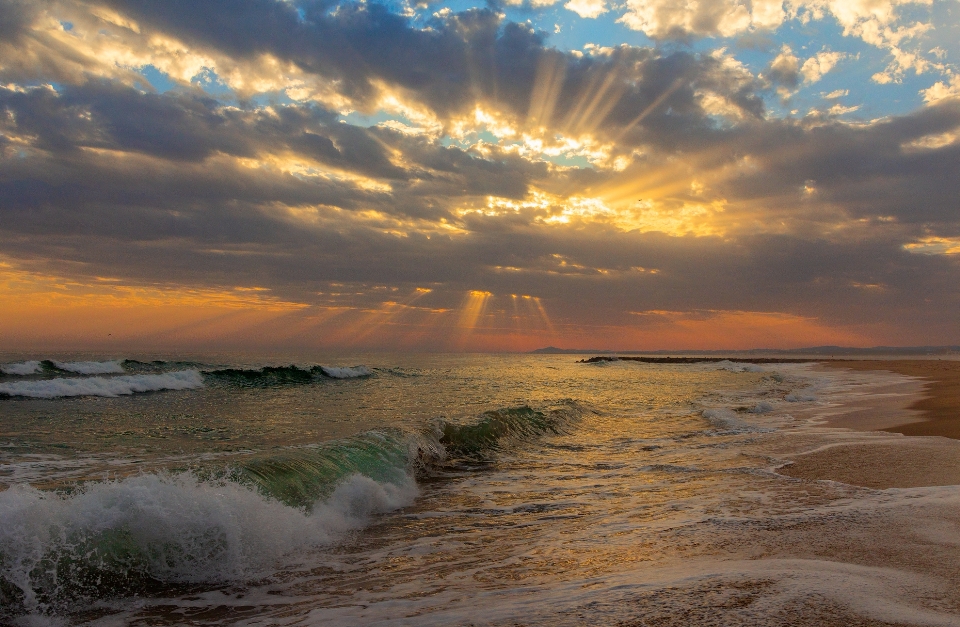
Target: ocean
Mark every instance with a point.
(450, 490)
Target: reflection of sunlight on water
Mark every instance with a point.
(640, 494)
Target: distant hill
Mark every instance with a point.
(813, 350)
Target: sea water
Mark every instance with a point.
(448, 490)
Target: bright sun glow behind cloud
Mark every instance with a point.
(462, 178)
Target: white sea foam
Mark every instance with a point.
(23, 368)
(727, 420)
(171, 528)
(738, 367)
(763, 407)
(104, 386)
(346, 373)
(90, 367)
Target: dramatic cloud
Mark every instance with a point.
(420, 177)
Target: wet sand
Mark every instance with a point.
(931, 410)
(940, 406)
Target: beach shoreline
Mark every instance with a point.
(939, 406)
(922, 418)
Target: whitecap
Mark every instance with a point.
(90, 367)
(345, 373)
(104, 386)
(22, 369)
(738, 367)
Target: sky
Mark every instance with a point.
(503, 176)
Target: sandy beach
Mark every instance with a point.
(927, 413)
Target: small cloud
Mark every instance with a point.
(884, 78)
(941, 90)
(598, 51)
(785, 68)
(932, 142)
(839, 109)
(587, 8)
(837, 93)
(818, 65)
(934, 246)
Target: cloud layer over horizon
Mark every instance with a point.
(445, 176)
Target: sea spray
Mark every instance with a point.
(122, 537)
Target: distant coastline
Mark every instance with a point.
(820, 351)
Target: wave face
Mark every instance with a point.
(23, 369)
(264, 377)
(304, 476)
(122, 537)
(89, 367)
(502, 427)
(103, 386)
(270, 376)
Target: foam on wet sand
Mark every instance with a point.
(887, 454)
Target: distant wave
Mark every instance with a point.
(90, 367)
(285, 375)
(153, 376)
(27, 368)
(103, 386)
(730, 366)
(346, 373)
(24, 368)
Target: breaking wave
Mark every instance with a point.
(136, 376)
(89, 367)
(502, 427)
(730, 366)
(121, 537)
(284, 375)
(131, 535)
(103, 386)
(23, 369)
(345, 373)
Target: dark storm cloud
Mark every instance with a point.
(815, 278)
(458, 172)
(15, 17)
(354, 44)
(458, 60)
(877, 170)
(101, 114)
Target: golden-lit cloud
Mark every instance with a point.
(935, 246)
(452, 181)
